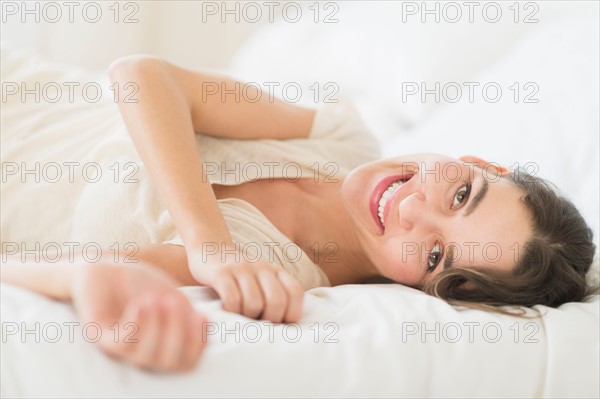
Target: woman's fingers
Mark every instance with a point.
(145, 353)
(228, 291)
(295, 293)
(168, 334)
(121, 342)
(259, 290)
(276, 299)
(176, 329)
(252, 297)
(197, 340)
(284, 296)
(138, 346)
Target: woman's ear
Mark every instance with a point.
(485, 164)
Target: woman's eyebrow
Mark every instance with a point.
(478, 198)
(449, 258)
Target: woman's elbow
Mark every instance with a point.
(133, 64)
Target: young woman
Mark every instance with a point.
(311, 206)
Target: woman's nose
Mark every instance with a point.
(412, 210)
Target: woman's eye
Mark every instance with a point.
(462, 195)
(434, 257)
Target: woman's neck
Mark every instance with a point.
(324, 230)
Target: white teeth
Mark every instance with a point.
(387, 194)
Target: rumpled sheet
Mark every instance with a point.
(359, 341)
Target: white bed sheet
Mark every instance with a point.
(375, 345)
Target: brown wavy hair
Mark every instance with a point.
(551, 269)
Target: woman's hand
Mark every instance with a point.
(144, 319)
(258, 290)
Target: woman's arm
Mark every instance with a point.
(158, 328)
(162, 131)
(220, 106)
(51, 280)
(172, 106)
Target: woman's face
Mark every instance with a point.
(442, 212)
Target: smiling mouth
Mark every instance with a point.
(389, 191)
(383, 195)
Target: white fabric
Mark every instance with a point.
(370, 341)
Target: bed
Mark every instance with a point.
(377, 340)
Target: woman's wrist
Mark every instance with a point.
(203, 259)
(52, 280)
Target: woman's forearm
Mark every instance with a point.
(173, 105)
(224, 107)
(52, 280)
(161, 128)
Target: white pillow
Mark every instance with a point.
(369, 53)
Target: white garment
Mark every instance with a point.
(121, 207)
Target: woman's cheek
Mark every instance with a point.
(400, 266)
